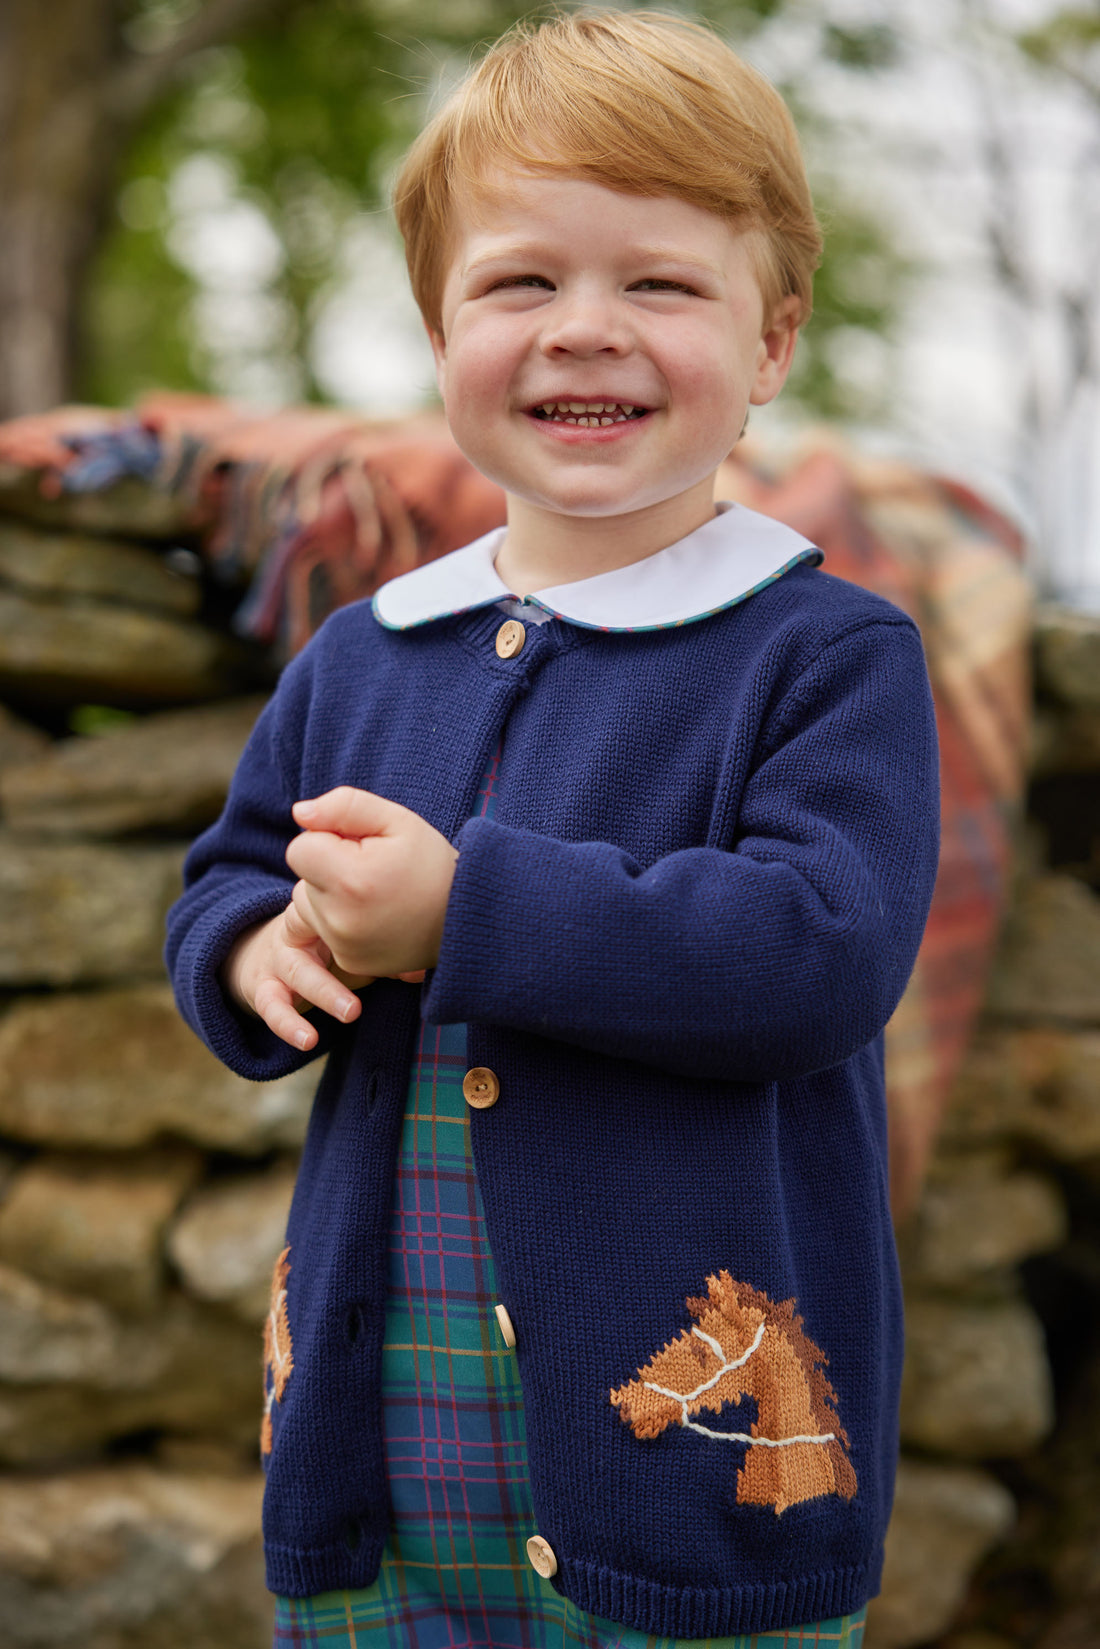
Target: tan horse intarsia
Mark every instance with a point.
(278, 1351)
(745, 1345)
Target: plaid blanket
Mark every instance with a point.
(306, 509)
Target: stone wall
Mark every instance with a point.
(143, 1189)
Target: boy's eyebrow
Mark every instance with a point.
(633, 254)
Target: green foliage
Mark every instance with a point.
(1071, 30)
(1069, 43)
(875, 46)
(137, 323)
(92, 720)
(301, 119)
(841, 368)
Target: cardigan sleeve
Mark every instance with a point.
(780, 951)
(235, 875)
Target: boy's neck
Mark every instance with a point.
(543, 549)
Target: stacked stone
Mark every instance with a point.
(143, 1189)
(1002, 1260)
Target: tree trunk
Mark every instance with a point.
(59, 140)
(72, 94)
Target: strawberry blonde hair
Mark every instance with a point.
(642, 102)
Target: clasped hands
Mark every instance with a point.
(374, 880)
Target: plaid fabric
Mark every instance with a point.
(455, 1573)
(336, 1621)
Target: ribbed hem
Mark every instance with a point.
(712, 1611)
(296, 1572)
(646, 1605)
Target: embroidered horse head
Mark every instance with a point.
(743, 1344)
(278, 1351)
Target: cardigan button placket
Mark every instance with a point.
(480, 1088)
(510, 639)
(542, 1557)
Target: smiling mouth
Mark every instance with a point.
(588, 414)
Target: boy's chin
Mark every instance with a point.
(593, 506)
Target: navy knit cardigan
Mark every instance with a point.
(676, 945)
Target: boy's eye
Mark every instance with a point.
(521, 280)
(652, 284)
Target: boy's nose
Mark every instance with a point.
(585, 324)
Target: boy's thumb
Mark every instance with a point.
(346, 811)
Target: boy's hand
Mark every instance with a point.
(281, 966)
(375, 880)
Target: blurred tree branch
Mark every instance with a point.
(1057, 300)
(73, 90)
(143, 77)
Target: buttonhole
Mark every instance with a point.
(353, 1323)
(373, 1083)
(353, 1534)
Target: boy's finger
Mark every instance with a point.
(321, 857)
(296, 929)
(314, 984)
(302, 901)
(272, 1003)
(348, 812)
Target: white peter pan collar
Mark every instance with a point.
(721, 563)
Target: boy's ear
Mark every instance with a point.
(439, 350)
(776, 351)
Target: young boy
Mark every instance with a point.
(602, 849)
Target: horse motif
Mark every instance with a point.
(278, 1350)
(744, 1344)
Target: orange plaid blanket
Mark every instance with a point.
(306, 509)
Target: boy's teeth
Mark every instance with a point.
(587, 413)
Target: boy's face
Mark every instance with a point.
(599, 350)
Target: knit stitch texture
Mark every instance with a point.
(676, 945)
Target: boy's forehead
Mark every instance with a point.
(504, 192)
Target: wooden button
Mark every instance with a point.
(510, 639)
(541, 1556)
(480, 1088)
(508, 1333)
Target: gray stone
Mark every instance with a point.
(76, 564)
(978, 1639)
(1038, 1085)
(90, 652)
(126, 1556)
(946, 1518)
(976, 1382)
(1067, 654)
(1065, 741)
(95, 1224)
(58, 1424)
(9, 1167)
(74, 1374)
(46, 1336)
(1048, 963)
(171, 769)
(119, 1068)
(131, 508)
(975, 1216)
(75, 913)
(19, 741)
(228, 1236)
